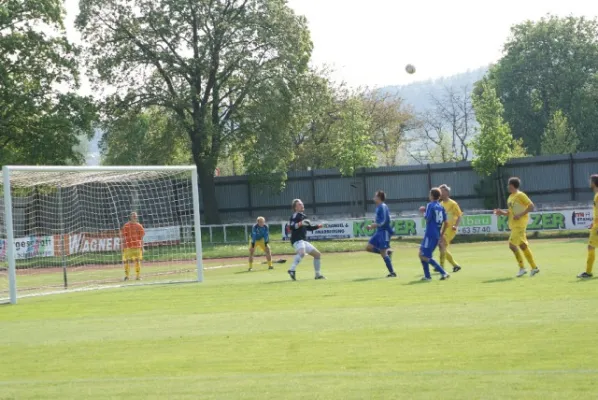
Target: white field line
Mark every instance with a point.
(118, 285)
(364, 374)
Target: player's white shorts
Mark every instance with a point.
(305, 246)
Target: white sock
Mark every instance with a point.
(317, 266)
(296, 261)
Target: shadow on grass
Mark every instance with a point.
(244, 272)
(255, 271)
(279, 282)
(583, 280)
(417, 282)
(499, 280)
(368, 279)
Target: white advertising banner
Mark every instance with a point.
(167, 234)
(30, 247)
(330, 230)
(106, 242)
(93, 243)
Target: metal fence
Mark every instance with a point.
(558, 180)
(548, 179)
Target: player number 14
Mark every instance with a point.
(439, 219)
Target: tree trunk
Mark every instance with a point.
(205, 173)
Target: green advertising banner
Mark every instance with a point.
(401, 227)
(472, 224)
(540, 221)
(476, 224)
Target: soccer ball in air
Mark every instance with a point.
(410, 69)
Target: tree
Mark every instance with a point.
(432, 143)
(354, 148)
(559, 138)
(454, 112)
(41, 117)
(495, 145)
(264, 133)
(332, 126)
(321, 115)
(314, 114)
(150, 137)
(445, 131)
(588, 115)
(202, 60)
(548, 66)
(391, 120)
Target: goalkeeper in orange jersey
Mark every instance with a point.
(454, 214)
(132, 243)
(593, 242)
(519, 208)
(260, 237)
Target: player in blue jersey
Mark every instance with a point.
(435, 216)
(380, 242)
(260, 237)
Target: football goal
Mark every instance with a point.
(63, 228)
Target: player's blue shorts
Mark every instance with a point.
(428, 246)
(380, 240)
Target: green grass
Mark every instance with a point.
(239, 335)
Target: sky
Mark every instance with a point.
(368, 43)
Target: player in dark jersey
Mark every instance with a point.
(435, 228)
(298, 226)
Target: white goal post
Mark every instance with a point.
(61, 227)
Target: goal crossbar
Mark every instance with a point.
(95, 168)
(47, 175)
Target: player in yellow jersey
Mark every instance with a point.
(593, 243)
(454, 213)
(519, 208)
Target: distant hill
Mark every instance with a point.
(418, 94)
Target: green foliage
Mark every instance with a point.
(559, 137)
(585, 126)
(487, 188)
(549, 66)
(494, 145)
(264, 134)
(150, 137)
(204, 61)
(308, 125)
(315, 118)
(354, 147)
(442, 152)
(39, 124)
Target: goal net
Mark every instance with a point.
(66, 228)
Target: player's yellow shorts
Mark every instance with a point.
(260, 244)
(132, 254)
(518, 236)
(449, 235)
(593, 238)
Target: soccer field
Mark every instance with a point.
(481, 335)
